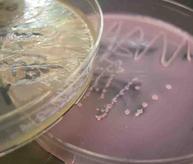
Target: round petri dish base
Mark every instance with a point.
(138, 108)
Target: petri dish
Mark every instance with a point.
(47, 49)
(138, 108)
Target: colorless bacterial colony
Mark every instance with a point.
(137, 67)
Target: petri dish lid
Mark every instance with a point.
(46, 52)
(139, 105)
(35, 48)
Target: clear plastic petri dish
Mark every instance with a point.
(138, 108)
(47, 49)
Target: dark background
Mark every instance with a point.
(186, 2)
(32, 153)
